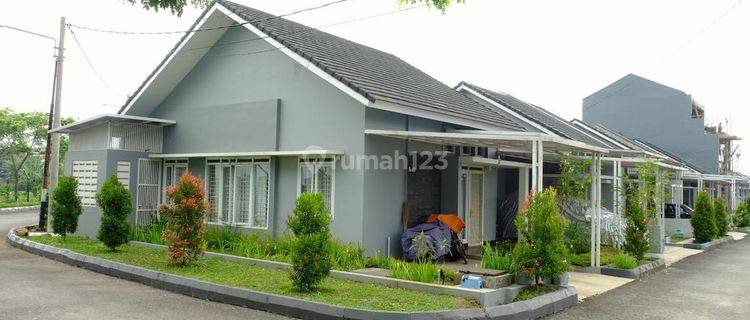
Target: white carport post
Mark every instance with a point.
(616, 185)
(537, 165)
(596, 195)
(734, 195)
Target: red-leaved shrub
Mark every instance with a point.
(184, 216)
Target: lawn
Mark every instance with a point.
(333, 291)
(676, 239)
(535, 291)
(18, 204)
(584, 259)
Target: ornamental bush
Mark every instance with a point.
(184, 215)
(542, 253)
(116, 204)
(721, 217)
(66, 206)
(741, 216)
(703, 221)
(636, 221)
(311, 259)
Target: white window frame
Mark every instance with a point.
(173, 164)
(233, 163)
(315, 164)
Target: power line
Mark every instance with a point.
(210, 28)
(683, 45)
(306, 29)
(86, 57)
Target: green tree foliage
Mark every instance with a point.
(438, 4)
(575, 177)
(721, 217)
(184, 216)
(22, 135)
(176, 7)
(741, 216)
(542, 253)
(636, 228)
(311, 261)
(116, 204)
(703, 220)
(66, 206)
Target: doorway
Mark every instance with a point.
(472, 204)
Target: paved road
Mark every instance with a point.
(710, 285)
(33, 287)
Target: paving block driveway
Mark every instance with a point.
(38, 288)
(709, 285)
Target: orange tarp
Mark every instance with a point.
(451, 221)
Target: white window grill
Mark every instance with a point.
(149, 172)
(87, 174)
(118, 136)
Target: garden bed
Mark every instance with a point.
(642, 269)
(239, 284)
(708, 245)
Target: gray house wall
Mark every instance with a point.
(267, 102)
(649, 111)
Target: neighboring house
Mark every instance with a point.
(265, 109)
(663, 116)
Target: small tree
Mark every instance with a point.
(184, 217)
(703, 221)
(636, 228)
(542, 252)
(311, 260)
(66, 206)
(741, 216)
(722, 218)
(116, 204)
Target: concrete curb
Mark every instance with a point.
(18, 209)
(288, 306)
(709, 245)
(635, 273)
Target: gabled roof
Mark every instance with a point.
(547, 119)
(379, 77)
(672, 155)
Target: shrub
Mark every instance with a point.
(741, 216)
(149, 234)
(578, 237)
(66, 206)
(722, 220)
(116, 204)
(624, 261)
(311, 261)
(184, 215)
(543, 253)
(636, 221)
(496, 258)
(703, 221)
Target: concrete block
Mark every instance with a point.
(512, 311)
(361, 314)
(302, 309)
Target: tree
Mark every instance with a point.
(31, 176)
(175, 6)
(116, 204)
(184, 215)
(542, 253)
(66, 207)
(22, 135)
(721, 217)
(438, 4)
(702, 220)
(636, 228)
(311, 261)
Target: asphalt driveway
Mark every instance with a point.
(38, 288)
(709, 285)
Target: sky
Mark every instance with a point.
(548, 52)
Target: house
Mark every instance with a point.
(673, 122)
(264, 109)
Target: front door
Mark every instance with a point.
(472, 185)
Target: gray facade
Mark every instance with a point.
(649, 111)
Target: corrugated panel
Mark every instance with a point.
(87, 174)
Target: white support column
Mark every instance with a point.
(616, 187)
(593, 210)
(534, 167)
(540, 171)
(734, 195)
(598, 209)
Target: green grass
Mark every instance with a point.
(18, 204)
(624, 261)
(535, 291)
(332, 291)
(676, 239)
(584, 259)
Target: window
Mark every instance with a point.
(87, 174)
(318, 177)
(239, 191)
(123, 173)
(173, 169)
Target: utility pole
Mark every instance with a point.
(54, 161)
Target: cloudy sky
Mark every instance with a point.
(548, 52)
